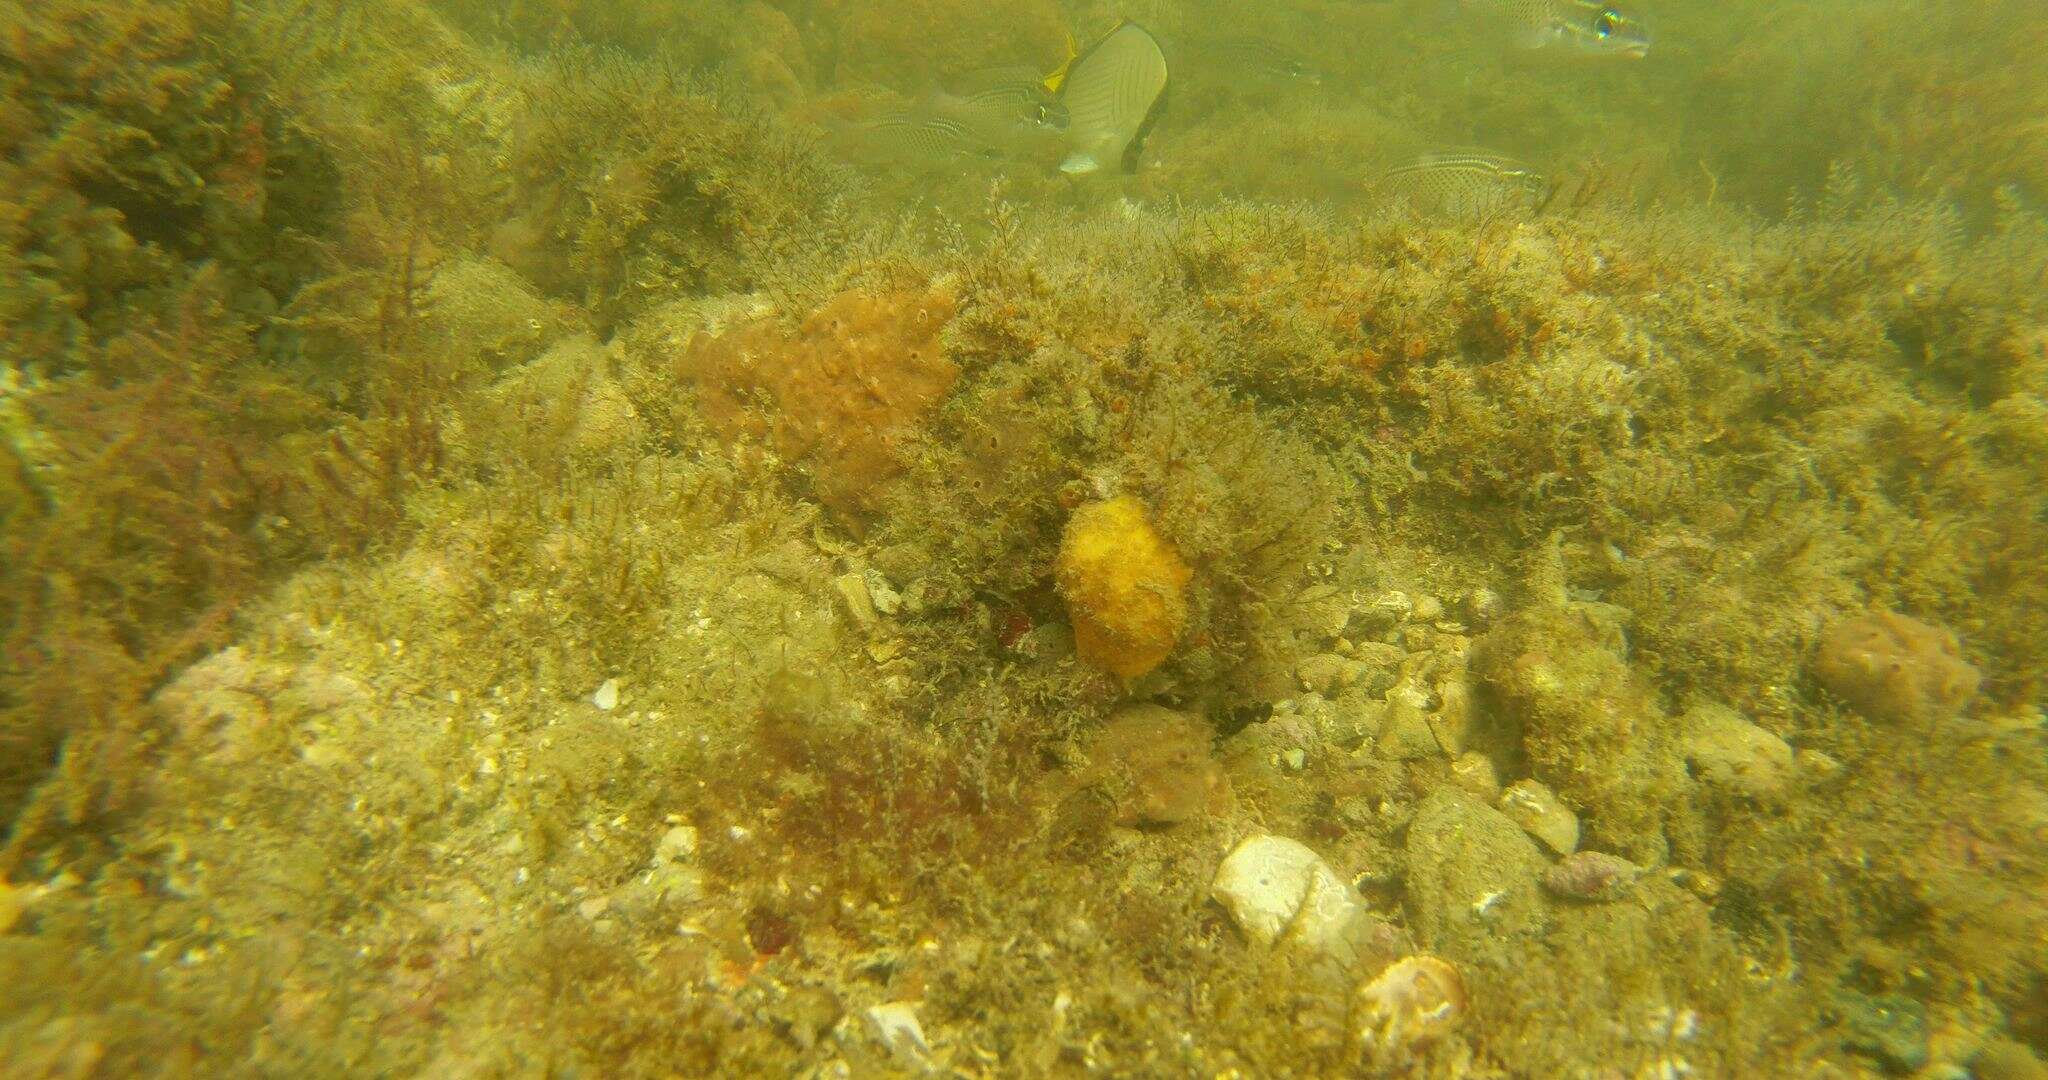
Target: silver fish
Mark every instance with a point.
(1462, 182)
(1009, 112)
(1239, 58)
(912, 137)
(1112, 92)
(1581, 27)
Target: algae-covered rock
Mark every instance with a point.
(1589, 726)
(1535, 808)
(1890, 1027)
(1472, 874)
(1158, 761)
(1729, 752)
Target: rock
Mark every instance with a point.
(13, 903)
(1533, 806)
(1380, 665)
(853, 591)
(1453, 718)
(1387, 609)
(679, 844)
(885, 598)
(1405, 731)
(1890, 1027)
(1415, 1001)
(1158, 763)
(1427, 608)
(1474, 773)
(1472, 873)
(1591, 875)
(1326, 672)
(1890, 667)
(1279, 890)
(1729, 753)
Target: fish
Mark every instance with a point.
(998, 113)
(1113, 91)
(1463, 182)
(1580, 27)
(1258, 58)
(1057, 77)
(1003, 107)
(912, 136)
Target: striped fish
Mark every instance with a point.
(1462, 182)
(1008, 110)
(1582, 27)
(1113, 92)
(1240, 58)
(912, 137)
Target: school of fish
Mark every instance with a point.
(1093, 112)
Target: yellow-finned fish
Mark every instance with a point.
(1057, 77)
(1113, 92)
(1463, 182)
(1581, 27)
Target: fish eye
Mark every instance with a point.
(1607, 22)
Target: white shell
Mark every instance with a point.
(895, 1026)
(1414, 1001)
(607, 695)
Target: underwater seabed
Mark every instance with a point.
(532, 568)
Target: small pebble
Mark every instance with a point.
(1538, 811)
(1590, 875)
(1388, 608)
(1730, 753)
(676, 845)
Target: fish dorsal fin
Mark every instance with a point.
(1057, 77)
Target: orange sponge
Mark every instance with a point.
(1125, 587)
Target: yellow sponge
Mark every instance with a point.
(1125, 587)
